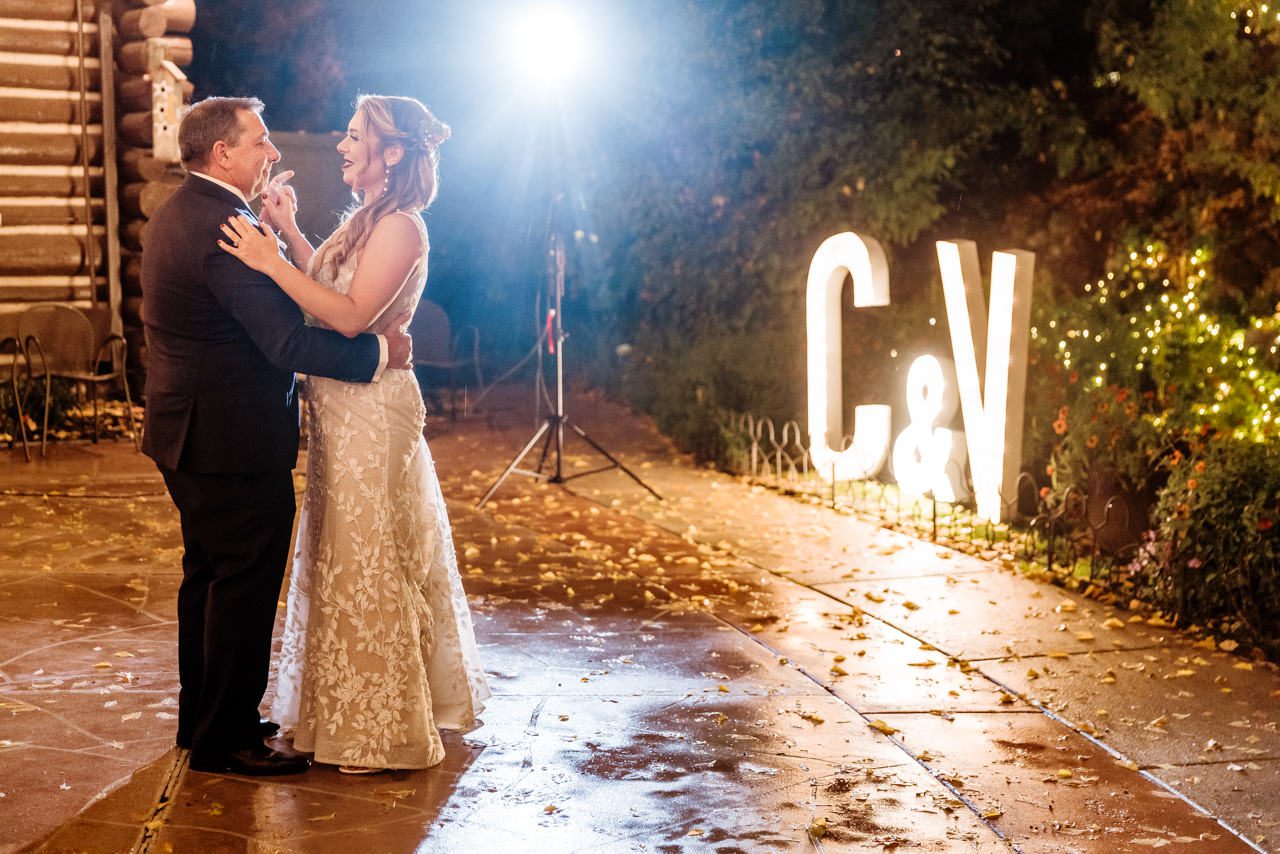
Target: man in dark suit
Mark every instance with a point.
(222, 427)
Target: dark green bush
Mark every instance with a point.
(1214, 555)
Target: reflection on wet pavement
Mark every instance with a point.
(727, 671)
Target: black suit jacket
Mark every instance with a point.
(223, 342)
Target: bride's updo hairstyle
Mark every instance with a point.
(389, 121)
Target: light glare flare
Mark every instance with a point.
(546, 46)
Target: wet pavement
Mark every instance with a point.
(728, 670)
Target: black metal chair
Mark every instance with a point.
(59, 342)
(10, 358)
(438, 354)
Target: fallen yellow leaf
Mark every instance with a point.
(881, 726)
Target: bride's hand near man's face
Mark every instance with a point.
(256, 247)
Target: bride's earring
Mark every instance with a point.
(386, 179)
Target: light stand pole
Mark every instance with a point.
(551, 431)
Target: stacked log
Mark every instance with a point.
(53, 244)
(149, 33)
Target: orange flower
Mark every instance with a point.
(1060, 426)
(1191, 483)
(1093, 440)
(1265, 524)
(1200, 467)
(1049, 470)
(1044, 492)
(1176, 458)
(1122, 395)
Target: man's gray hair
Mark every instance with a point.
(209, 121)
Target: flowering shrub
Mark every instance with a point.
(1140, 372)
(1214, 554)
(1155, 397)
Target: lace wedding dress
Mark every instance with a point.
(379, 649)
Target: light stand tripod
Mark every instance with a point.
(551, 432)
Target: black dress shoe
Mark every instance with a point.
(259, 761)
(265, 729)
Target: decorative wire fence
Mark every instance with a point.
(1071, 533)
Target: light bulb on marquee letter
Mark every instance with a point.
(992, 406)
(863, 259)
(927, 458)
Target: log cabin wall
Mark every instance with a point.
(150, 49)
(87, 150)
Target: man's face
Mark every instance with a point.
(248, 162)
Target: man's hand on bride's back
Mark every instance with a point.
(399, 344)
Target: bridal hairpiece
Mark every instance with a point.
(432, 137)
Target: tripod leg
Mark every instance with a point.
(515, 462)
(611, 458)
(546, 446)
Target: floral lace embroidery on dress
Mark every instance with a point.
(379, 650)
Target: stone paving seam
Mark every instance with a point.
(82, 638)
(1208, 763)
(955, 792)
(1115, 754)
(169, 786)
(1035, 704)
(157, 619)
(100, 741)
(1043, 709)
(1083, 653)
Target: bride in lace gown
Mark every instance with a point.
(379, 650)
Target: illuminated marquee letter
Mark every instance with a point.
(928, 458)
(992, 407)
(863, 259)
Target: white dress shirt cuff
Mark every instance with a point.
(382, 358)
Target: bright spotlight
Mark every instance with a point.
(546, 45)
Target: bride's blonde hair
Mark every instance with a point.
(391, 120)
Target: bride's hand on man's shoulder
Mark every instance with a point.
(255, 245)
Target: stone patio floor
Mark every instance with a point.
(726, 670)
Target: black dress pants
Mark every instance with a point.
(236, 531)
